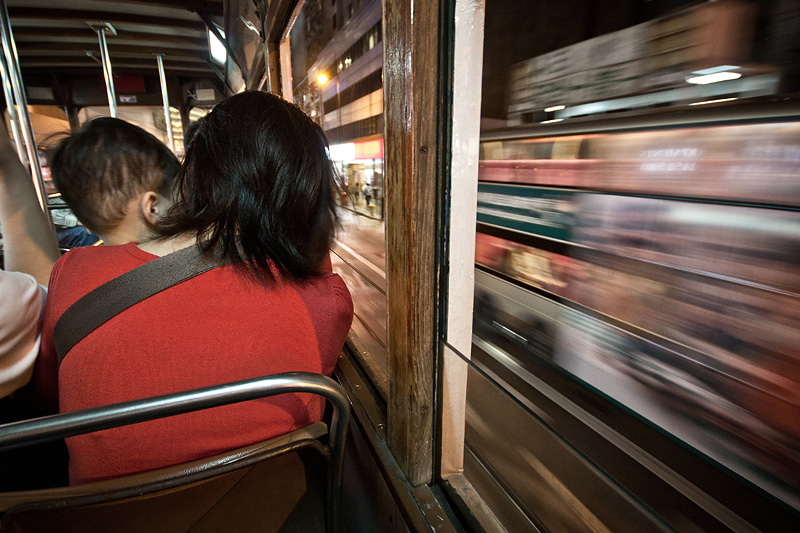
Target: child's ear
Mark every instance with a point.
(150, 207)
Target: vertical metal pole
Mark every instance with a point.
(10, 53)
(112, 97)
(165, 98)
(16, 133)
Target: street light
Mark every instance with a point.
(322, 79)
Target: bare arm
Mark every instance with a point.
(29, 242)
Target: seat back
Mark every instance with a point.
(276, 485)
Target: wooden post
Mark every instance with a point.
(277, 75)
(412, 152)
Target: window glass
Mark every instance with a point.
(337, 79)
(638, 222)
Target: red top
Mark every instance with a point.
(215, 328)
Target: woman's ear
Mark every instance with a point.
(149, 204)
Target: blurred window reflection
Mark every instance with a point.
(639, 219)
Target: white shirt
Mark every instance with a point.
(21, 308)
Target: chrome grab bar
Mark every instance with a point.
(48, 428)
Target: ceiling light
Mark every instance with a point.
(218, 52)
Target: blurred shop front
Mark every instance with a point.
(360, 169)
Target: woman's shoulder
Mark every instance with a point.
(130, 249)
(97, 264)
(326, 295)
(339, 287)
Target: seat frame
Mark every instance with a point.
(29, 432)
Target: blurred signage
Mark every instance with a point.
(638, 59)
(129, 83)
(342, 152)
(204, 95)
(355, 151)
(127, 99)
(755, 163)
(544, 212)
(369, 149)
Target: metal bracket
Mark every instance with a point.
(98, 25)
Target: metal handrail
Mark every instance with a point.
(54, 427)
(12, 74)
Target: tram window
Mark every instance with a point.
(149, 118)
(637, 267)
(176, 124)
(195, 114)
(336, 77)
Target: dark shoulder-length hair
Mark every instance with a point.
(257, 187)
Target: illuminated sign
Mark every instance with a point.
(369, 149)
(355, 151)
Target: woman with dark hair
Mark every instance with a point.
(256, 195)
(224, 201)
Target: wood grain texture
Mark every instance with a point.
(412, 139)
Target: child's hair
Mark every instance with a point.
(105, 164)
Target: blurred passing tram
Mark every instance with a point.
(656, 261)
(636, 266)
(575, 281)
